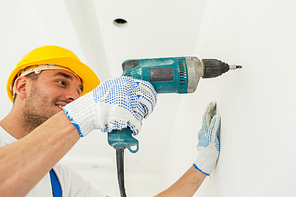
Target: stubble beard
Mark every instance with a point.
(35, 111)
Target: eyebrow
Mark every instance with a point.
(67, 76)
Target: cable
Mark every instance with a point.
(120, 169)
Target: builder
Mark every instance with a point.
(45, 123)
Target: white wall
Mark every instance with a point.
(257, 103)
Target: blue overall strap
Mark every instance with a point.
(55, 184)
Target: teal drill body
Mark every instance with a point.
(167, 75)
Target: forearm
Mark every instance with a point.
(186, 185)
(208, 147)
(25, 162)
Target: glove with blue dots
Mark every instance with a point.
(113, 105)
(208, 143)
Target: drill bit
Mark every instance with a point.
(233, 67)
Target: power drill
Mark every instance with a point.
(167, 75)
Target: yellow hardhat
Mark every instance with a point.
(54, 55)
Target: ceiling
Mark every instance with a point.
(155, 28)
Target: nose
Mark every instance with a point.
(72, 94)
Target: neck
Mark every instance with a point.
(14, 124)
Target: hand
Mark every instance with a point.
(113, 105)
(208, 145)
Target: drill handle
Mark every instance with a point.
(123, 138)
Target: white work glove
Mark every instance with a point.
(113, 105)
(208, 146)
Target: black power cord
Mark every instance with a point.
(120, 169)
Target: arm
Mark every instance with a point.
(186, 185)
(25, 162)
(208, 151)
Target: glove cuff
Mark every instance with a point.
(82, 113)
(206, 161)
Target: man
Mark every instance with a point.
(48, 118)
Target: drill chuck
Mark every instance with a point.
(214, 68)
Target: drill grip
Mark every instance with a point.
(123, 138)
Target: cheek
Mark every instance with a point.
(38, 95)
(48, 91)
(46, 94)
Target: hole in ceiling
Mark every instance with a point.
(120, 22)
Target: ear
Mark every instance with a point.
(21, 87)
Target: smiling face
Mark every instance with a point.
(48, 94)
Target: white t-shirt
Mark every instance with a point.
(71, 183)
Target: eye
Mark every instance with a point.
(63, 83)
